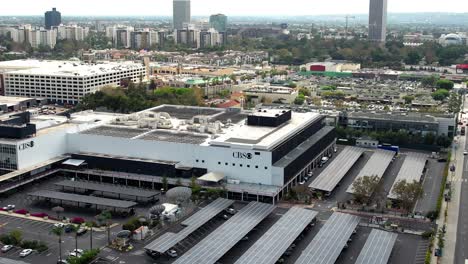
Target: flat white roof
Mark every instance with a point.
(64, 68)
(261, 137)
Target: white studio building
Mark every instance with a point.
(255, 155)
(64, 82)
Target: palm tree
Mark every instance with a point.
(58, 231)
(58, 210)
(90, 225)
(74, 229)
(106, 216)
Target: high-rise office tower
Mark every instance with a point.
(52, 18)
(218, 22)
(378, 20)
(181, 14)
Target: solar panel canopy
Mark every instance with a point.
(220, 241)
(272, 245)
(327, 245)
(375, 166)
(334, 172)
(411, 170)
(378, 248)
(169, 240)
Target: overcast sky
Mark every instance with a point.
(228, 7)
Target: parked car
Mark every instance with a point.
(6, 248)
(9, 207)
(81, 231)
(25, 252)
(76, 253)
(231, 211)
(77, 250)
(172, 253)
(68, 228)
(59, 225)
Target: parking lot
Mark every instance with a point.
(408, 248)
(431, 183)
(41, 231)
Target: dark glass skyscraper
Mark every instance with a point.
(377, 20)
(181, 13)
(52, 18)
(218, 22)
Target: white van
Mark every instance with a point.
(170, 210)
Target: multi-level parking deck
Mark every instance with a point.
(411, 170)
(169, 240)
(332, 175)
(327, 245)
(220, 241)
(272, 245)
(375, 166)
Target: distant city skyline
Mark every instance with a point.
(237, 8)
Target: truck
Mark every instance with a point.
(389, 147)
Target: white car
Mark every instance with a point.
(76, 252)
(9, 207)
(6, 248)
(25, 252)
(59, 225)
(465, 152)
(172, 253)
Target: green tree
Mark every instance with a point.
(90, 225)
(304, 91)
(407, 193)
(454, 103)
(440, 94)
(429, 81)
(413, 57)
(364, 187)
(105, 217)
(58, 231)
(445, 84)
(408, 99)
(299, 100)
(74, 229)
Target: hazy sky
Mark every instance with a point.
(228, 7)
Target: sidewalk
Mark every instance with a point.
(451, 221)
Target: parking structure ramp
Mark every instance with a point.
(220, 241)
(327, 245)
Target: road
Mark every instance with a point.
(458, 210)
